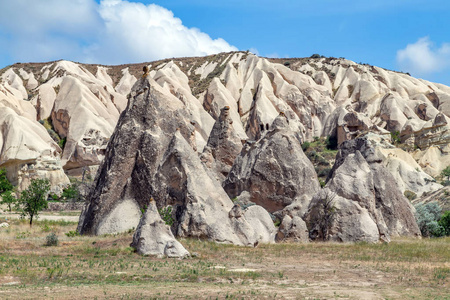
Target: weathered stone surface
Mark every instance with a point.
(223, 146)
(319, 96)
(274, 170)
(292, 229)
(358, 176)
(153, 236)
(149, 156)
(28, 152)
(136, 147)
(253, 225)
(332, 217)
(407, 173)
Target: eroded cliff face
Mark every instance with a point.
(361, 200)
(81, 103)
(274, 170)
(152, 156)
(194, 132)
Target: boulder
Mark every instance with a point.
(335, 218)
(292, 229)
(153, 237)
(274, 170)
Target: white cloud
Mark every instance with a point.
(423, 57)
(112, 32)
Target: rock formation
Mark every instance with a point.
(151, 155)
(28, 152)
(223, 146)
(80, 104)
(360, 191)
(274, 170)
(153, 237)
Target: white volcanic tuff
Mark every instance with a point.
(26, 143)
(205, 69)
(126, 82)
(434, 159)
(256, 90)
(217, 97)
(407, 172)
(45, 100)
(102, 75)
(274, 170)
(15, 82)
(175, 82)
(369, 205)
(151, 155)
(153, 236)
(29, 77)
(20, 107)
(75, 99)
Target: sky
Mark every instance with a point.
(403, 35)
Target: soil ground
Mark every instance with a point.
(105, 267)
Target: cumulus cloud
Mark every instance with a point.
(109, 32)
(423, 57)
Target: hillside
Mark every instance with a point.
(59, 116)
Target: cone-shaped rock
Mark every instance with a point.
(223, 145)
(123, 184)
(153, 236)
(201, 206)
(151, 155)
(274, 170)
(360, 195)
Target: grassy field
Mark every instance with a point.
(107, 268)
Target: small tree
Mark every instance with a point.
(72, 192)
(34, 198)
(5, 185)
(9, 199)
(446, 173)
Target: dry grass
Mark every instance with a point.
(105, 267)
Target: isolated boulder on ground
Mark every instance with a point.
(153, 236)
(292, 229)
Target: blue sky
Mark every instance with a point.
(406, 35)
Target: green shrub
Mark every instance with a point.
(5, 185)
(324, 172)
(34, 198)
(62, 143)
(51, 240)
(9, 199)
(410, 195)
(305, 146)
(72, 192)
(446, 173)
(72, 233)
(166, 215)
(444, 222)
(427, 217)
(395, 137)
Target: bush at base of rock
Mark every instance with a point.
(427, 216)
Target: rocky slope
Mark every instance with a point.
(220, 141)
(80, 104)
